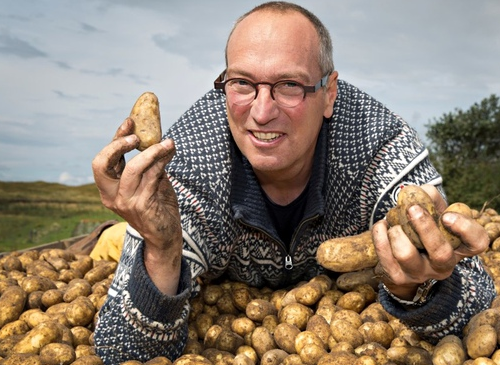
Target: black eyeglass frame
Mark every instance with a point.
(220, 83)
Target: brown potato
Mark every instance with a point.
(147, 122)
(80, 312)
(257, 309)
(18, 327)
(100, 272)
(481, 341)
(344, 331)
(12, 304)
(262, 341)
(296, 314)
(88, 360)
(38, 337)
(57, 354)
(273, 357)
(24, 359)
(346, 254)
(456, 208)
(284, 336)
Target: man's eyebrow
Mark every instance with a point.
(282, 76)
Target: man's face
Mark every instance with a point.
(269, 47)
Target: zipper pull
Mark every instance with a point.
(288, 262)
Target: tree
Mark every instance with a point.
(465, 148)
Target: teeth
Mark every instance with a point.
(266, 136)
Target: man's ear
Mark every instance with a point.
(331, 94)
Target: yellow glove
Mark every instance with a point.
(110, 243)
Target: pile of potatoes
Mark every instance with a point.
(50, 300)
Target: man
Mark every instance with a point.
(279, 158)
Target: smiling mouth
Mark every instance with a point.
(266, 137)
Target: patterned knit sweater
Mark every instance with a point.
(363, 156)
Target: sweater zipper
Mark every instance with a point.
(288, 257)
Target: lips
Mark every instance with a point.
(266, 137)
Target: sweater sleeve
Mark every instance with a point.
(468, 291)
(137, 321)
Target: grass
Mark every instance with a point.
(38, 212)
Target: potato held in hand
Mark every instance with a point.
(146, 117)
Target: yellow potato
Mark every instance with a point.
(346, 254)
(12, 304)
(57, 354)
(456, 208)
(146, 117)
(38, 337)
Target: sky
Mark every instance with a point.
(70, 71)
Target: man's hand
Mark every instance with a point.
(141, 193)
(403, 268)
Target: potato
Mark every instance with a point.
(257, 309)
(456, 208)
(342, 330)
(380, 332)
(242, 359)
(228, 341)
(262, 341)
(192, 359)
(24, 359)
(241, 297)
(284, 336)
(57, 354)
(18, 327)
(242, 326)
(346, 254)
(449, 351)
(147, 123)
(409, 355)
(349, 280)
(100, 272)
(296, 314)
(77, 288)
(12, 304)
(160, 360)
(374, 350)
(38, 337)
(37, 283)
(88, 360)
(481, 341)
(80, 312)
(408, 196)
(352, 300)
(273, 357)
(249, 352)
(320, 327)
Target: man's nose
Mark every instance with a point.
(264, 107)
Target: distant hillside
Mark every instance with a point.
(33, 213)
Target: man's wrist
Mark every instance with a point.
(423, 294)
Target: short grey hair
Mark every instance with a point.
(325, 57)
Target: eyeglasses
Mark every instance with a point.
(286, 93)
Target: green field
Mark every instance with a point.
(35, 213)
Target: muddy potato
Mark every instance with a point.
(57, 354)
(273, 357)
(242, 326)
(449, 236)
(413, 195)
(309, 293)
(347, 254)
(449, 351)
(18, 327)
(262, 341)
(409, 355)
(203, 322)
(225, 304)
(350, 316)
(88, 360)
(34, 317)
(228, 341)
(36, 283)
(249, 352)
(344, 331)
(350, 280)
(296, 314)
(11, 263)
(8, 343)
(192, 359)
(374, 350)
(257, 309)
(373, 313)
(100, 272)
(82, 265)
(12, 304)
(147, 123)
(51, 297)
(320, 327)
(242, 359)
(212, 293)
(352, 300)
(481, 341)
(77, 288)
(211, 335)
(193, 347)
(80, 312)
(38, 337)
(380, 332)
(24, 359)
(81, 335)
(338, 358)
(160, 360)
(284, 336)
(241, 297)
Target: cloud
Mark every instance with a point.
(14, 46)
(66, 178)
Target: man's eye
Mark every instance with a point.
(289, 84)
